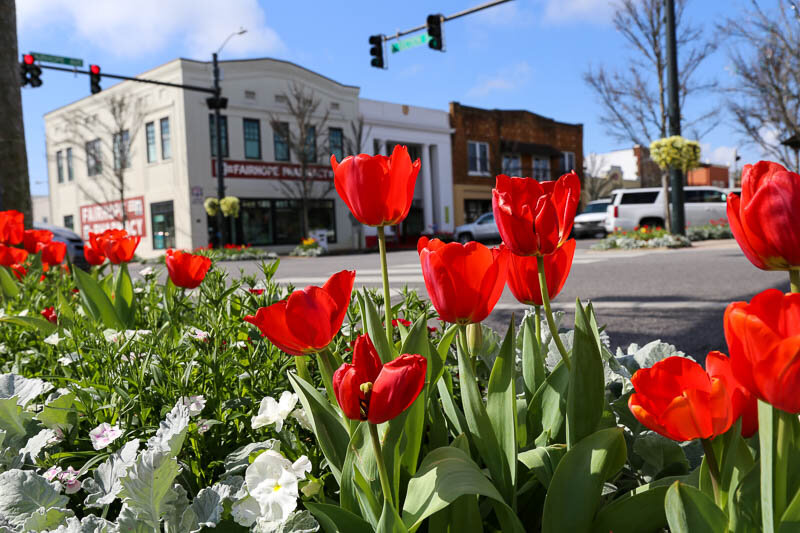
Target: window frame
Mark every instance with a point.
(212, 132)
(539, 172)
(312, 157)
(280, 135)
(168, 143)
(257, 123)
(71, 224)
(156, 209)
(479, 171)
(150, 142)
(70, 167)
(516, 171)
(565, 168)
(60, 166)
(340, 133)
(120, 143)
(94, 158)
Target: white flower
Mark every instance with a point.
(301, 467)
(272, 412)
(146, 271)
(197, 334)
(138, 290)
(69, 478)
(271, 480)
(53, 339)
(52, 473)
(195, 404)
(23, 313)
(103, 435)
(245, 512)
(301, 416)
(66, 360)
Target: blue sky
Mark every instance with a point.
(527, 54)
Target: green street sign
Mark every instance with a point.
(411, 42)
(61, 60)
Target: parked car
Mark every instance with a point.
(482, 229)
(630, 208)
(71, 239)
(591, 221)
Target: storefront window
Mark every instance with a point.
(256, 217)
(475, 208)
(163, 220)
(264, 221)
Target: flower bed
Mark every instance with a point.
(211, 402)
(647, 237)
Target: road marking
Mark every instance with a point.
(631, 305)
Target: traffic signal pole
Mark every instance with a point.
(222, 230)
(676, 175)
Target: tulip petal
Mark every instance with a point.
(546, 225)
(734, 220)
(347, 388)
(365, 359)
(772, 215)
(308, 315)
(272, 323)
(340, 288)
(397, 386)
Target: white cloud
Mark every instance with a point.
(720, 155)
(506, 79)
(133, 28)
(596, 11)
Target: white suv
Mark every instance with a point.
(645, 207)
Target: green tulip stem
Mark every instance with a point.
(301, 363)
(794, 276)
(537, 312)
(382, 473)
(387, 297)
(713, 467)
(548, 312)
(326, 369)
(462, 338)
(783, 449)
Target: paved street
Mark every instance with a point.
(678, 296)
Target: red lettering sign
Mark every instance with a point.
(272, 171)
(97, 218)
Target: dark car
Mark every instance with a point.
(71, 239)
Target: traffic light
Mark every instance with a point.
(30, 71)
(436, 41)
(94, 79)
(376, 51)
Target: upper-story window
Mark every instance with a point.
(150, 137)
(122, 150)
(280, 139)
(512, 165)
(166, 139)
(567, 162)
(478, 157)
(94, 158)
(223, 123)
(252, 138)
(60, 165)
(70, 170)
(541, 168)
(311, 145)
(336, 142)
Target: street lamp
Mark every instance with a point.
(217, 103)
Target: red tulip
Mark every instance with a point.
(257, 292)
(32, 237)
(19, 271)
(523, 274)
(535, 218)
(53, 252)
(94, 256)
(11, 227)
(718, 365)
(186, 270)
(12, 256)
(464, 281)
(377, 189)
(369, 390)
(116, 244)
(403, 321)
(764, 342)
(50, 314)
(766, 219)
(307, 321)
(679, 400)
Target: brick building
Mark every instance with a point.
(488, 142)
(708, 174)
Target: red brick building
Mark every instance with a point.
(488, 142)
(706, 174)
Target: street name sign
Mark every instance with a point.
(61, 60)
(411, 42)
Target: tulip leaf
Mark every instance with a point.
(374, 327)
(335, 519)
(766, 425)
(745, 508)
(95, 300)
(123, 295)
(45, 327)
(547, 410)
(359, 486)
(453, 414)
(790, 521)
(64, 309)
(445, 475)
(7, 283)
(479, 424)
(390, 521)
(327, 424)
(690, 510)
(586, 395)
(501, 405)
(461, 516)
(533, 367)
(447, 339)
(543, 461)
(574, 494)
(637, 512)
(416, 342)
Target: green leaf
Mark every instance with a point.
(446, 341)
(461, 516)
(123, 295)
(328, 425)
(105, 485)
(574, 495)
(8, 284)
(373, 325)
(390, 521)
(586, 394)
(543, 461)
(95, 300)
(47, 519)
(147, 486)
(45, 327)
(533, 368)
(25, 492)
(445, 475)
(766, 435)
(455, 417)
(416, 342)
(745, 508)
(637, 513)
(547, 410)
(15, 422)
(334, 519)
(65, 312)
(661, 456)
(501, 406)
(689, 510)
(359, 486)
(60, 413)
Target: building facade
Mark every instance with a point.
(708, 174)
(169, 171)
(488, 142)
(634, 165)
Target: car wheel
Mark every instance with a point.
(464, 238)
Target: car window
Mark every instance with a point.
(704, 196)
(596, 208)
(488, 218)
(639, 197)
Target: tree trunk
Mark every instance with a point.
(15, 190)
(304, 202)
(665, 186)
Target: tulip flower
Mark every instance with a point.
(116, 244)
(31, 239)
(523, 274)
(764, 342)
(11, 227)
(679, 400)
(186, 270)
(307, 321)
(377, 189)
(19, 271)
(50, 314)
(12, 256)
(370, 390)
(719, 365)
(765, 220)
(93, 255)
(535, 218)
(52, 253)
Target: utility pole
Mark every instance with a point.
(222, 230)
(676, 174)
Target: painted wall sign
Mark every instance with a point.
(272, 170)
(97, 218)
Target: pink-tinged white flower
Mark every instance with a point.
(274, 412)
(203, 426)
(194, 404)
(197, 334)
(69, 478)
(51, 473)
(103, 435)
